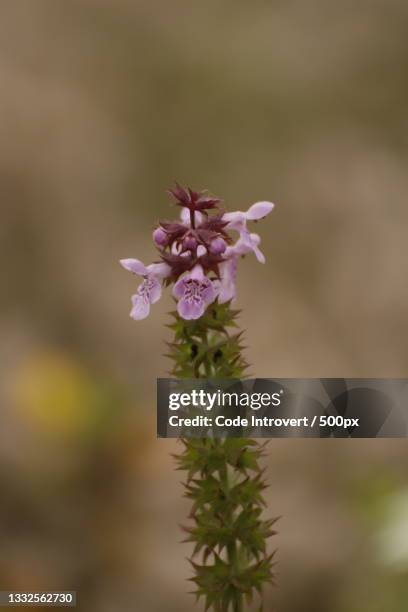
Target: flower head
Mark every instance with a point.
(197, 254)
(194, 292)
(238, 221)
(149, 291)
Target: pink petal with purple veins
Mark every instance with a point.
(190, 309)
(154, 291)
(209, 294)
(178, 289)
(194, 292)
(141, 307)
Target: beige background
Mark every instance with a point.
(103, 104)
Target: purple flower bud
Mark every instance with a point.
(160, 237)
(218, 246)
(190, 243)
(185, 217)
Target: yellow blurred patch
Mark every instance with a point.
(55, 394)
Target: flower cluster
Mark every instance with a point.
(197, 254)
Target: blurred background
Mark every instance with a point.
(103, 104)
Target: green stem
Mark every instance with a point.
(232, 549)
(224, 478)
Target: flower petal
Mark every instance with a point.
(236, 220)
(155, 290)
(141, 308)
(209, 293)
(228, 269)
(259, 210)
(190, 309)
(227, 292)
(245, 244)
(259, 255)
(179, 287)
(227, 289)
(242, 246)
(135, 266)
(255, 240)
(197, 273)
(160, 270)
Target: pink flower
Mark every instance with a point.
(237, 220)
(245, 244)
(194, 293)
(197, 254)
(149, 291)
(226, 289)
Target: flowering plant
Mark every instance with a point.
(197, 254)
(225, 482)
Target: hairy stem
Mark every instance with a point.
(224, 478)
(232, 548)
